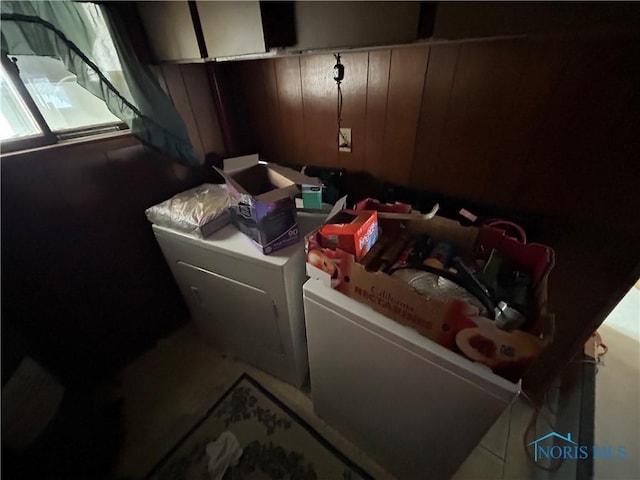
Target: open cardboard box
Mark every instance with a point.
(263, 204)
(353, 233)
(443, 321)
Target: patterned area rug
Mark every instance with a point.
(277, 443)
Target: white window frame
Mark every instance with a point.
(47, 137)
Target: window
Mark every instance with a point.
(41, 102)
(16, 121)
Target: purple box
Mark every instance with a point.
(263, 203)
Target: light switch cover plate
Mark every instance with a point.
(344, 140)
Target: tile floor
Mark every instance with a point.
(617, 419)
(170, 387)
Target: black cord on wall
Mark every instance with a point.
(339, 77)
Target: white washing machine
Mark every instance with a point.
(415, 407)
(244, 302)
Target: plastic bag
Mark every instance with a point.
(201, 210)
(223, 453)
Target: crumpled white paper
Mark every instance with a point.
(223, 453)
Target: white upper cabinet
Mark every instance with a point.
(325, 25)
(231, 28)
(170, 30)
(201, 30)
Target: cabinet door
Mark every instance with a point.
(325, 24)
(231, 28)
(170, 30)
(236, 316)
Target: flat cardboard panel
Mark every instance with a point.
(283, 192)
(277, 179)
(253, 180)
(234, 164)
(440, 228)
(295, 176)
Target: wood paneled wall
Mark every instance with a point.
(189, 87)
(83, 279)
(84, 282)
(529, 123)
(545, 124)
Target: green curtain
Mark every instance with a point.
(103, 62)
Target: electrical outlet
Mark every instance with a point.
(344, 140)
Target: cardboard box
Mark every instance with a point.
(263, 205)
(389, 227)
(354, 233)
(373, 204)
(443, 321)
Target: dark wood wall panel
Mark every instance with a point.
(263, 100)
(354, 109)
(178, 92)
(376, 110)
(288, 79)
(319, 98)
(406, 81)
(262, 116)
(548, 124)
(190, 90)
(198, 89)
(83, 279)
(514, 123)
(273, 121)
(524, 121)
(582, 163)
(436, 97)
(481, 94)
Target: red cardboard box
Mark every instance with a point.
(352, 232)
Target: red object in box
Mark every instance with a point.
(389, 227)
(354, 232)
(373, 204)
(453, 324)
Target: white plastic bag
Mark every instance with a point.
(223, 453)
(201, 210)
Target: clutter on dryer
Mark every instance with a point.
(200, 211)
(262, 200)
(476, 291)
